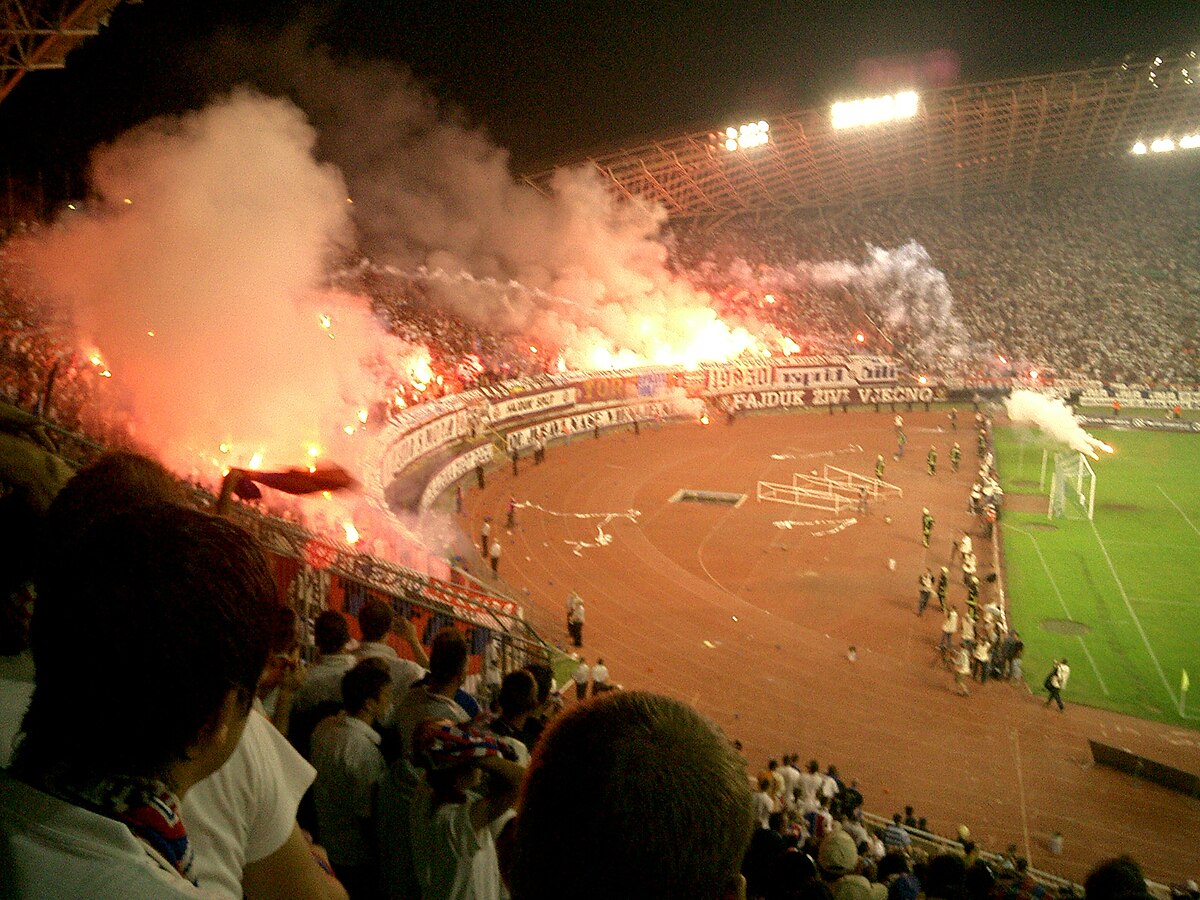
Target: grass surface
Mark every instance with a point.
(1130, 575)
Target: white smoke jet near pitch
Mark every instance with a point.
(1055, 419)
(196, 272)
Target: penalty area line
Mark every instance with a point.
(1179, 509)
(1063, 603)
(1176, 702)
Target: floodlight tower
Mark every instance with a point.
(38, 34)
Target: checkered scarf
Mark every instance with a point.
(146, 806)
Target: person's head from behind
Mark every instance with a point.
(375, 619)
(367, 689)
(149, 637)
(659, 803)
(116, 481)
(518, 694)
(448, 658)
(1116, 879)
(544, 677)
(331, 633)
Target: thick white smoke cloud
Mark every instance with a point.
(195, 271)
(575, 266)
(1054, 418)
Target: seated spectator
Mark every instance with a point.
(839, 867)
(375, 620)
(945, 877)
(765, 845)
(149, 631)
(895, 838)
(549, 704)
(1116, 879)
(456, 821)
(685, 837)
(433, 697)
(345, 752)
(517, 701)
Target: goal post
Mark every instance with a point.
(1072, 487)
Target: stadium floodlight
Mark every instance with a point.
(746, 137)
(1166, 145)
(873, 110)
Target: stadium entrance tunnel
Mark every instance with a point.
(716, 497)
(1066, 627)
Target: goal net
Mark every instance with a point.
(1072, 487)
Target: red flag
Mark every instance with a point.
(294, 481)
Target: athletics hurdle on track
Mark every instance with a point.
(825, 499)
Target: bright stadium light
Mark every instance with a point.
(746, 137)
(1166, 144)
(873, 110)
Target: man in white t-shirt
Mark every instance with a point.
(600, 678)
(494, 557)
(321, 693)
(810, 786)
(1056, 681)
(581, 676)
(375, 620)
(345, 752)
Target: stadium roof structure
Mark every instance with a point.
(38, 34)
(1000, 135)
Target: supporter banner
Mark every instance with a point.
(797, 376)
(1143, 424)
(457, 468)
(595, 390)
(651, 411)
(529, 404)
(1143, 399)
(821, 397)
(652, 385)
(732, 377)
(425, 439)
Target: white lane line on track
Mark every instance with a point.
(1016, 736)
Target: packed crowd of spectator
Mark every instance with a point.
(1098, 281)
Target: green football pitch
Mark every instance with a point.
(1118, 596)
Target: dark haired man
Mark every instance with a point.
(433, 698)
(684, 839)
(149, 631)
(321, 693)
(375, 619)
(345, 751)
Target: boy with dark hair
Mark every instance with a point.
(345, 751)
(149, 631)
(433, 698)
(685, 838)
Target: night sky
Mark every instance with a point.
(553, 81)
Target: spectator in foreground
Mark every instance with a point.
(1116, 879)
(684, 839)
(93, 809)
(242, 819)
(321, 693)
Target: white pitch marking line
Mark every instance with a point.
(1063, 604)
(1136, 621)
(1186, 518)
